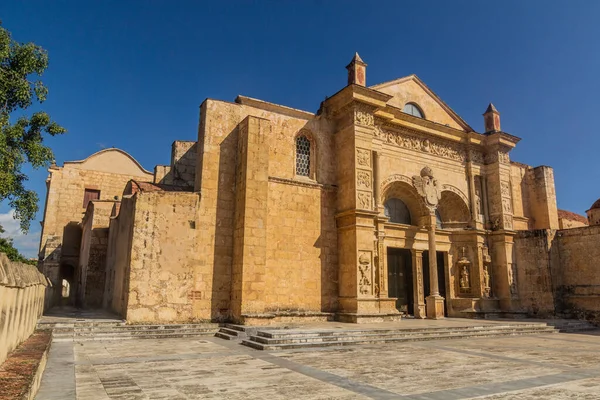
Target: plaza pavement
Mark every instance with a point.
(552, 366)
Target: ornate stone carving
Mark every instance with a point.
(487, 279)
(500, 156)
(512, 280)
(363, 179)
(476, 156)
(364, 200)
(505, 189)
(363, 157)
(363, 116)
(395, 178)
(508, 222)
(428, 188)
(410, 139)
(506, 205)
(364, 269)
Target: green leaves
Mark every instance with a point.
(23, 141)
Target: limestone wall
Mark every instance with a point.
(313, 261)
(92, 260)
(182, 171)
(22, 290)
(107, 171)
(575, 256)
(162, 257)
(558, 272)
(534, 274)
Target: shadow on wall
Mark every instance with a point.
(224, 225)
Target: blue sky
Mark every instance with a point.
(131, 74)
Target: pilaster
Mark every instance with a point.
(250, 230)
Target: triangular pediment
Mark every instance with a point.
(411, 89)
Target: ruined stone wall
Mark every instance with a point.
(22, 290)
(163, 257)
(91, 273)
(215, 178)
(107, 171)
(182, 171)
(575, 254)
(119, 254)
(534, 271)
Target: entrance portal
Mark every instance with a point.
(400, 279)
(441, 275)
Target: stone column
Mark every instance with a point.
(377, 180)
(419, 297)
(434, 302)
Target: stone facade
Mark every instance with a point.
(105, 174)
(383, 203)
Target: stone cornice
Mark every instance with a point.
(355, 93)
(296, 182)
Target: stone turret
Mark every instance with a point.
(491, 119)
(357, 71)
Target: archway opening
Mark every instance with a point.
(453, 212)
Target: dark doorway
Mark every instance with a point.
(441, 268)
(67, 279)
(400, 279)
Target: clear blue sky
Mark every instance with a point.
(131, 74)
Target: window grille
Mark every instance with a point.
(302, 156)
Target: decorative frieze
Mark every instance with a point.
(496, 156)
(411, 140)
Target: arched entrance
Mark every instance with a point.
(67, 279)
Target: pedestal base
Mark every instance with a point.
(435, 307)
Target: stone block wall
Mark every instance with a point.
(574, 257)
(161, 261)
(558, 272)
(22, 290)
(182, 171)
(534, 271)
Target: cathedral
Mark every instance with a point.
(384, 204)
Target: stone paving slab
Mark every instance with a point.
(558, 366)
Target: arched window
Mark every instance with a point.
(303, 156)
(397, 211)
(438, 219)
(413, 109)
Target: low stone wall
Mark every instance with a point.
(22, 291)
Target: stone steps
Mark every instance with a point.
(235, 332)
(573, 326)
(295, 339)
(120, 331)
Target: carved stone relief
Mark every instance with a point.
(363, 179)
(512, 280)
(364, 200)
(409, 139)
(487, 279)
(495, 156)
(508, 222)
(363, 116)
(506, 205)
(428, 188)
(505, 189)
(363, 157)
(364, 273)
(476, 156)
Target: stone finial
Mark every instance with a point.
(491, 119)
(357, 71)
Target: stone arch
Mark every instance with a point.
(453, 210)
(400, 187)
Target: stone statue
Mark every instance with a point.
(464, 278)
(486, 277)
(428, 188)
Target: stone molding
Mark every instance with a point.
(295, 182)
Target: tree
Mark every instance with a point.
(21, 66)
(6, 246)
